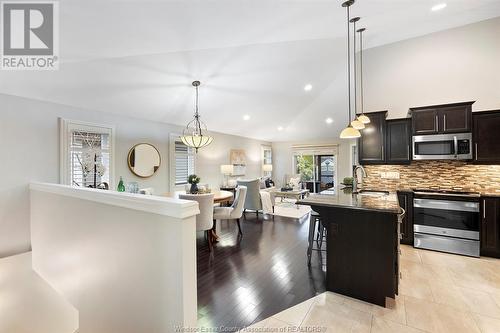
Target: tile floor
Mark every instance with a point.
(439, 292)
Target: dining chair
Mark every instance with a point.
(252, 200)
(235, 211)
(204, 220)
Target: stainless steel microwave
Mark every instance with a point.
(443, 147)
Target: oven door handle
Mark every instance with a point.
(461, 206)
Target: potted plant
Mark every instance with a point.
(193, 180)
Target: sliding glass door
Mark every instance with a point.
(317, 172)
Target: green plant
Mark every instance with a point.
(348, 181)
(305, 167)
(193, 179)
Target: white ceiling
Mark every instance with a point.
(138, 58)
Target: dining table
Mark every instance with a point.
(221, 197)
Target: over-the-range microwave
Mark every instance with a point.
(443, 147)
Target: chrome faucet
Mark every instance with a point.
(355, 177)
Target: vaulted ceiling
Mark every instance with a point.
(138, 58)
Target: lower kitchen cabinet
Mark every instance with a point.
(490, 226)
(406, 228)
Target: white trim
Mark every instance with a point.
(65, 125)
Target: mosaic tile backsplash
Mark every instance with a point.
(430, 174)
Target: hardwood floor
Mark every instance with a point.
(247, 280)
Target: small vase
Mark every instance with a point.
(194, 188)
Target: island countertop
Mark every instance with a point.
(344, 198)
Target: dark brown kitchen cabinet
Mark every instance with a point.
(398, 141)
(425, 122)
(486, 128)
(371, 144)
(490, 226)
(406, 228)
(442, 119)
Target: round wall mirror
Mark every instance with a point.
(144, 160)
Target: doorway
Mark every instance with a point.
(317, 172)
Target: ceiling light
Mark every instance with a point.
(438, 7)
(349, 132)
(357, 124)
(280, 128)
(246, 117)
(329, 120)
(362, 118)
(308, 87)
(195, 133)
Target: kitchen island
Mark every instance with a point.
(362, 242)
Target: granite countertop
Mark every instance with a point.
(346, 199)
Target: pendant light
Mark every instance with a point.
(362, 118)
(349, 132)
(355, 123)
(194, 135)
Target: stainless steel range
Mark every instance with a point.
(446, 221)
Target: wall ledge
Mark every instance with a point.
(171, 207)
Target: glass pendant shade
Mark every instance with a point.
(194, 135)
(350, 133)
(357, 124)
(364, 119)
(196, 141)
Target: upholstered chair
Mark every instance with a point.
(252, 200)
(204, 220)
(236, 210)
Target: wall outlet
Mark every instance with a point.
(390, 175)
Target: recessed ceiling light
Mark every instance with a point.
(438, 7)
(308, 87)
(329, 120)
(280, 128)
(246, 117)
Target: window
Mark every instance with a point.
(184, 161)
(86, 154)
(267, 161)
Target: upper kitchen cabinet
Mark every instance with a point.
(371, 144)
(398, 141)
(441, 119)
(486, 136)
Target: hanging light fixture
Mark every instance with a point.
(355, 123)
(362, 118)
(194, 135)
(349, 132)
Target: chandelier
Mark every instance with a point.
(194, 135)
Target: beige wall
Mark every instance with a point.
(29, 142)
(460, 64)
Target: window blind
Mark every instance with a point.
(81, 141)
(184, 163)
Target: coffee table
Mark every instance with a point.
(294, 194)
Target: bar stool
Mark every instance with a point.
(315, 226)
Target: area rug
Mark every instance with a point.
(288, 208)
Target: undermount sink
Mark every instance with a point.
(372, 193)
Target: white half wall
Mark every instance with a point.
(456, 65)
(29, 142)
